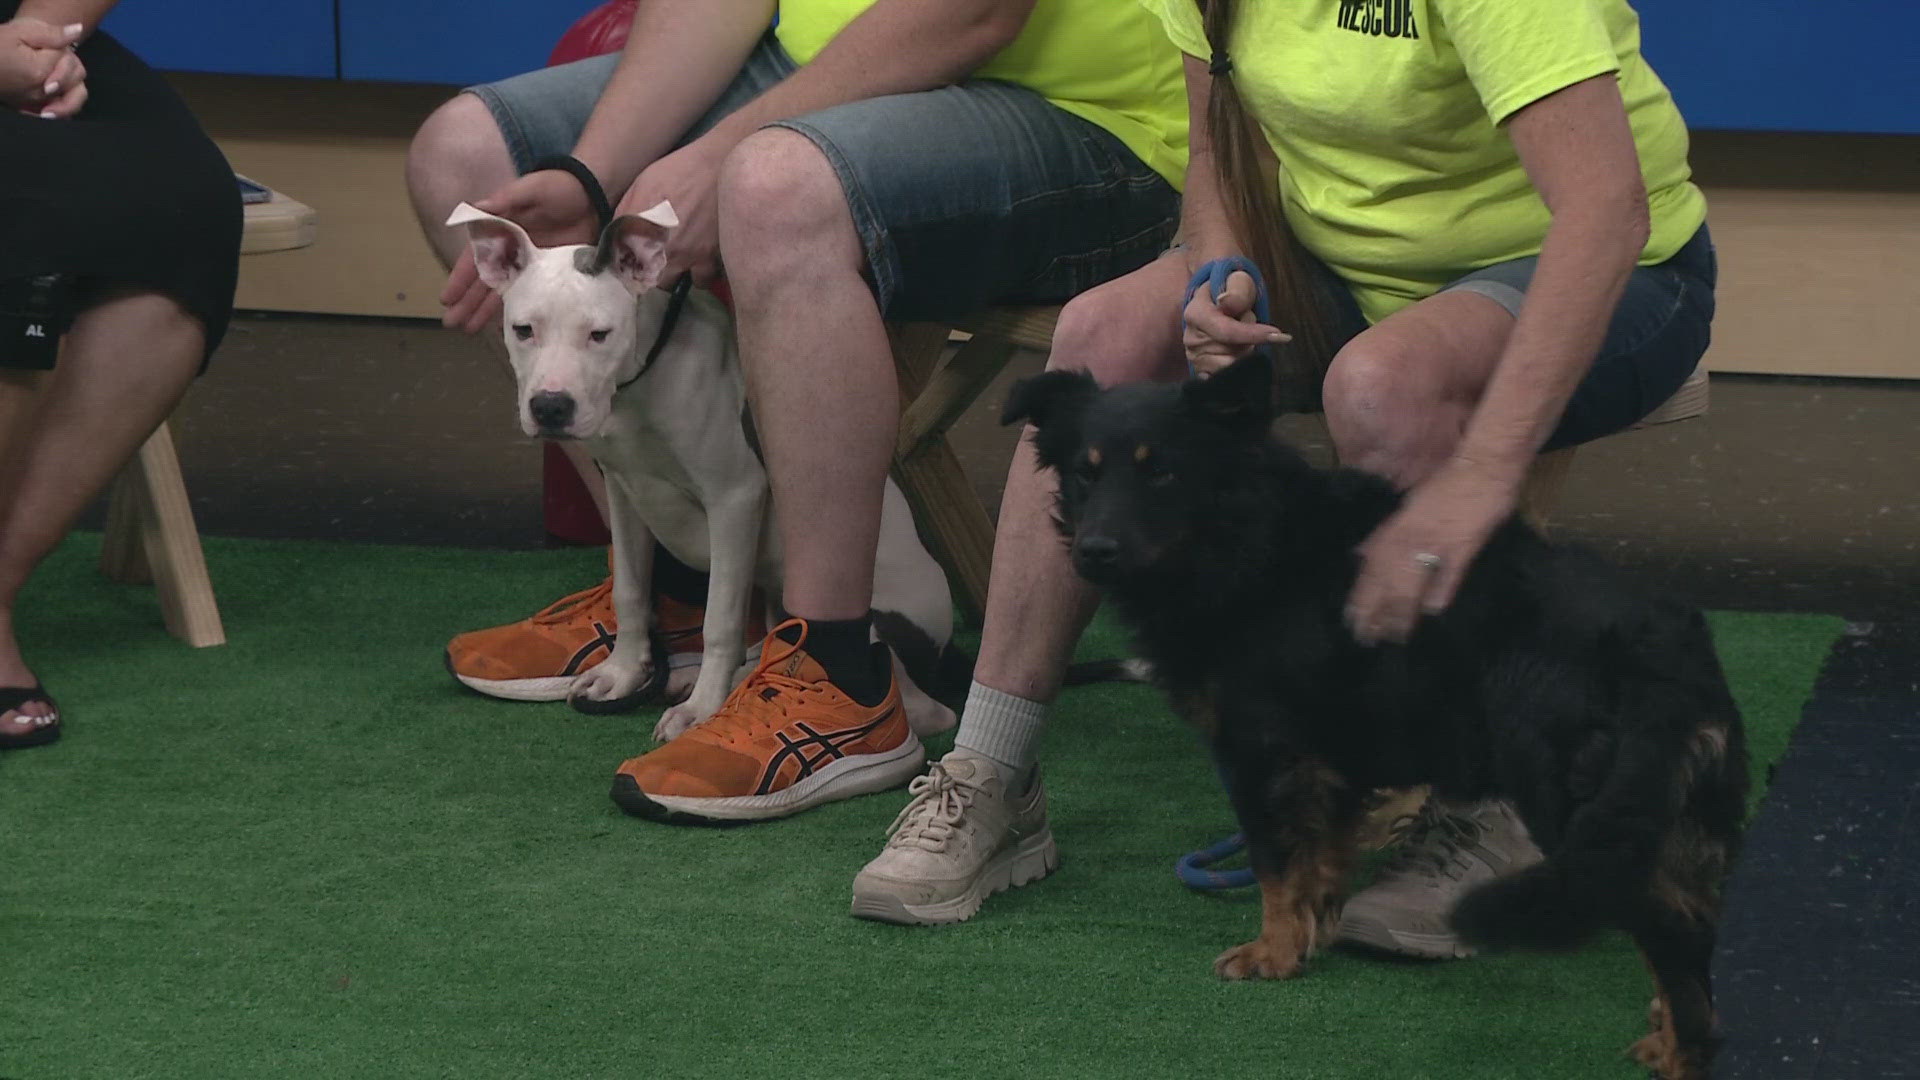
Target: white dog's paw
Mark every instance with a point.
(610, 685)
(680, 682)
(679, 718)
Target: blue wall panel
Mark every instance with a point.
(1788, 65)
(231, 37)
(451, 41)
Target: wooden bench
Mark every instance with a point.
(150, 535)
(959, 530)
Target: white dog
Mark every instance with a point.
(581, 323)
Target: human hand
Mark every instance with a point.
(1414, 562)
(551, 206)
(1220, 330)
(39, 72)
(689, 180)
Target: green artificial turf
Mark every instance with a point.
(308, 853)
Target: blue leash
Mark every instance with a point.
(1195, 869)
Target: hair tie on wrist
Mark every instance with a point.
(1222, 64)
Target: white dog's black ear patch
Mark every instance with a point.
(501, 249)
(635, 246)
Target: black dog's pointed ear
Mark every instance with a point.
(1239, 395)
(1048, 396)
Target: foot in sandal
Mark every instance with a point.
(28, 717)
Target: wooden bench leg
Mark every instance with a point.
(956, 528)
(1545, 480)
(149, 502)
(123, 552)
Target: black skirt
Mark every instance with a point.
(129, 193)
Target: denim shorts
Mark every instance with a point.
(964, 196)
(1657, 336)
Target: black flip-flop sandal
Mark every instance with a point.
(12, 697)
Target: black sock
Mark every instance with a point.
(676, 579)
(853, 662)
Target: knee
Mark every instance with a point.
(458, 152)
(1121, 332)
(1384, 408)
(780, 195)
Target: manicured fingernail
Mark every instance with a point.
(49, 115)
(51, 88)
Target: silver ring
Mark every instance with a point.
(1427, 560)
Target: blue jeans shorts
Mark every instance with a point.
(1658, 334)
(963, 196)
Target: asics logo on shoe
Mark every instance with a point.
(603, 639)
(812, 749)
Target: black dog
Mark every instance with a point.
(1600, 711)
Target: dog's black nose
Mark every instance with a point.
(551, 409)
(1099, 551)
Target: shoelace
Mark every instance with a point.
(1435, 844)
(929, 820)
(564, 609)
(764, 698)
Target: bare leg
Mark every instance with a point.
(459, 156)
(123, 367)
(818, 364)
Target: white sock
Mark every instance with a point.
(1001, 727)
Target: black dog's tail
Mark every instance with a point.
(1559, 903)
(946, 673)
(1655, 843)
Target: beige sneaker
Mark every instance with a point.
(1451, 849)
(963, 838)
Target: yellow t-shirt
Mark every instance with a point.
(1385, 117)
(1105, 61)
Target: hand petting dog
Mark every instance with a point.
(553, 209)
(689, 179)
(1413, 563)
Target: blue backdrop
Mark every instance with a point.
(1762, 65)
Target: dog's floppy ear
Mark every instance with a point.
(501, 249)
(635, 246)
(1239, 395)
(1048, 396)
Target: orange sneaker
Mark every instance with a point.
(536, 658)
(785, 740)
(678, 628)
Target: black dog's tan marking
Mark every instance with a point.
(1599, 710)
(1301, 842)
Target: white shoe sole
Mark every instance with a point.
(856, 774)
(1404, 942)
(551, 688)
(1028, 862)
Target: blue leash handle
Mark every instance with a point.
(1214, 276)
